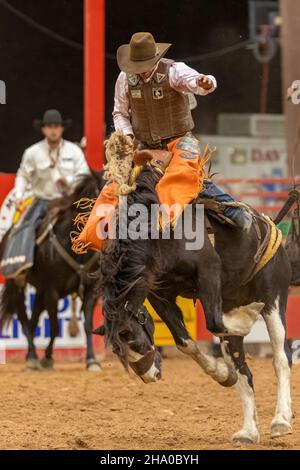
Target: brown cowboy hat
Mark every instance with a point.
(141, 54)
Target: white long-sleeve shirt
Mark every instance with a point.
(181, 77)
(42, 167)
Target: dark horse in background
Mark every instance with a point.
(162, 269)
(55, 277)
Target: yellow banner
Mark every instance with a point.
(162, 335)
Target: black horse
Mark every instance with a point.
(132, 270)
(56, 274)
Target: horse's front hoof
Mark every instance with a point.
(245, 437)
(47, 363)
(93, 366)
(232, 379)
(33, 364)
(280, 428)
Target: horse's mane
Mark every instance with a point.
(128, 257)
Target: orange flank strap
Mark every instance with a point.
(181, 182)
(96, 229)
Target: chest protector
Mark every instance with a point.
(158, 111)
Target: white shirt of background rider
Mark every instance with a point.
(181, 77)
(42, 167)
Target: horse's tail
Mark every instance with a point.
(73, 323)
(10, 298)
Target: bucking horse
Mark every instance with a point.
(225, 276)
(57, 273)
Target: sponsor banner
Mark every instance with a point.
(14, 338)
(163, 336)
(248, 157)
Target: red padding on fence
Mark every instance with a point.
(293, 314)
(6, 184)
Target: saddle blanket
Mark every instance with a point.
(19, 252)
(19, 247)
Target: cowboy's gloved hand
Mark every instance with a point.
(62, 186)
(205, 82)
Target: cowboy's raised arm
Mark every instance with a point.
(24, 175)
(121, 109)
(185, 79)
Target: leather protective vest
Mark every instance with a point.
(158, 111)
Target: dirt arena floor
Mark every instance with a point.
(74, 409)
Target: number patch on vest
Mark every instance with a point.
(160, 77)
(190, 144)
(133, 80)
(136, 94)
(157, 93)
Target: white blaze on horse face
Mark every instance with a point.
(152, 374)
(133, 356)
(281, 423)
(239, 321)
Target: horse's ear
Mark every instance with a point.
(100, 331)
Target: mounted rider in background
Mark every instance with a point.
(50, 168)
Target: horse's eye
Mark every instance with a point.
(126, 336)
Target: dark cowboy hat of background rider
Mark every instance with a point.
(52, 116)
(141, 54)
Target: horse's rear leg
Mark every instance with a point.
(51, 305)
(32, 359)
(88, 308)
(236, 322)
(275, 320)
(233, 351)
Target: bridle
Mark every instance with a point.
(142, 317)
(81, 270)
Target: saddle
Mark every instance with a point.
(47, 224)
(159, 159)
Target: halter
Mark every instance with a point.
(142, 317)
